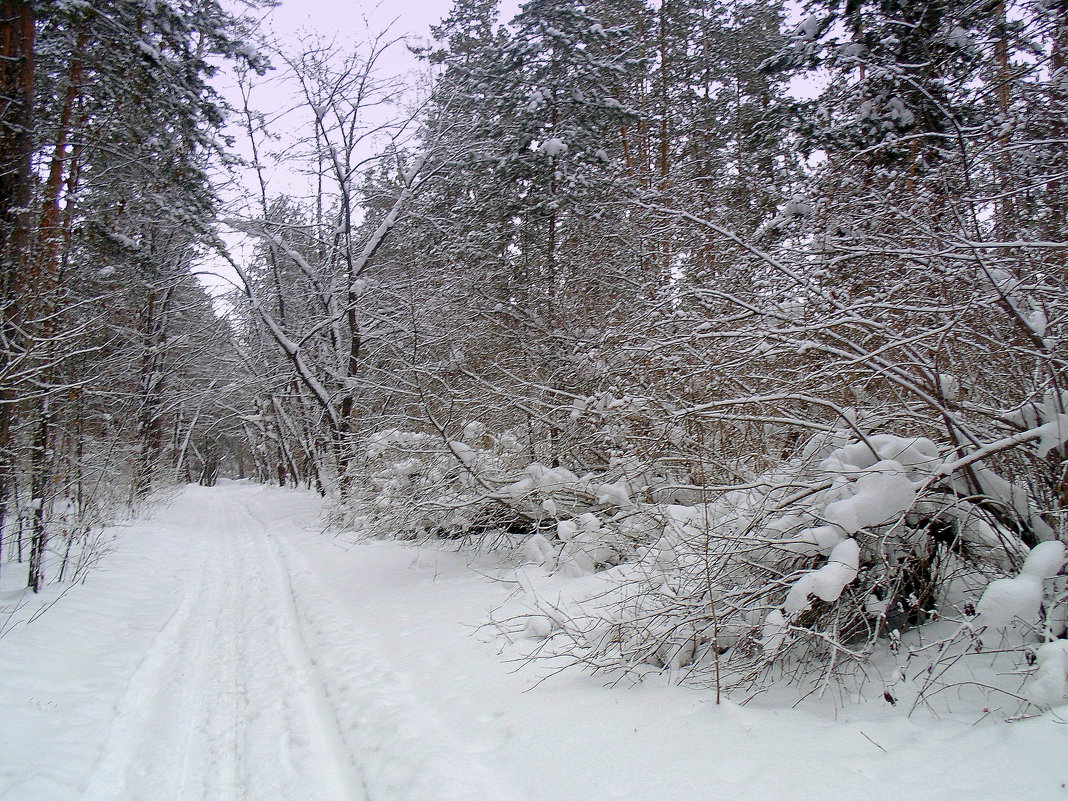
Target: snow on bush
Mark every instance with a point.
(827, 581)
(416, 484)
(809, 570)
(1049, 686)
(1020, 598)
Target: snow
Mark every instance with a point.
(949, 386)
(815, 541)
(553, 147)
(539, 551)
(880, 495)
(1048, 686)
(1052, 435)
(774, 631)
(797, 208)
(808, 28)
(124, 240)
(1039, 415)
(1009, 599)
(910, 452)
(228, 649)
(1037, 321)
(616, 493)
(566, 530)
(958, 37)
(208, 664)
(473, 430)
(827, 582)
(247, 50)
(1045, 560)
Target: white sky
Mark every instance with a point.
(348, 16)
(348, 24)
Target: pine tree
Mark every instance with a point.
(124, 126)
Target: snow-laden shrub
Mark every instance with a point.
(852, 549)
(415, 484)
(810, 571)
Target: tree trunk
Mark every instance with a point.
(41, 487)
(16, 186)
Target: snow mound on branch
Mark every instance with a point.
(910, 452)
(1045, 560)
(473, 430)
(1009, 599)
(583, 547)
(827, 582)
(773, 633)
(616, 493)
(880, 495)
(381, 441)
(1049, 685)
(1048, 417)
(1020, 598)
(553, 147)
(538, 550)
(418, 484)
(818, 541)
(1049, 408)
(1052, 435)
(538, 478)
(1000, 489)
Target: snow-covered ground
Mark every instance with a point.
(228, 649)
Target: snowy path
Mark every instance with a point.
(227, 703)
(220, 683)
(228, 650)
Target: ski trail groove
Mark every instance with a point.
(226, 705)
(315, 723)
(252, 684)
(402, 750)
(127, 728)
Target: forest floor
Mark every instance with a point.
(227, 648)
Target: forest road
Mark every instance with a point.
(227, 702)
(226, 648)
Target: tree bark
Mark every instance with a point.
(16, 187)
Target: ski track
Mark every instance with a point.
(217, 669)
(401, 749)
(225, 705)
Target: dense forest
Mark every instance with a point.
(753, 312)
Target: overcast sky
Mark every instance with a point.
(350, 24)
(348, 16)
